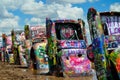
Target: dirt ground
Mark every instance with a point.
(12, 72)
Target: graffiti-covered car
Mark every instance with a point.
(67, 47)
(104, 31)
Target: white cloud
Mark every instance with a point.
(65, 1)
(32, 5)
(13, 4)
(70, 12)
(6, 25)
(74, 1)
(35, 21)
(8, 4)
(52, 10)
(69, 1)
(38, 10)
(115, 7)
(8, 20)
(4, 13)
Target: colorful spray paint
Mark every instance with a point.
(12, 57)
(18, 52)
(51, 45)
(110, 28)
(67, 47)
(38, 51)
(4, 46)
(28, 43)
(111, 24)
(9, 49)
(98, 46)
(40, 59)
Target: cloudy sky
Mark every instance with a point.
(16, 13)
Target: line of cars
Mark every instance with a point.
(62, 47)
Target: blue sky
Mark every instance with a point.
(16, 13)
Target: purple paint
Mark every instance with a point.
(114, 31)
(112, 24)
(72, 44)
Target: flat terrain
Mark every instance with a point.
(12, 72)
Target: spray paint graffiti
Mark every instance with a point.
(40, 58)
(65, 38)
(75, 62)
(72, 44)
(112, 23)
(97, 37)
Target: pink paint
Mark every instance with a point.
(75, 64)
